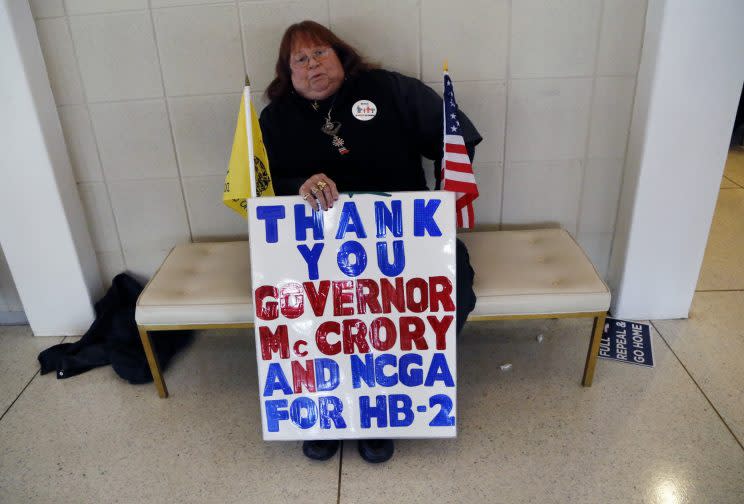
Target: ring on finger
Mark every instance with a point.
(321, 185)
(306, 196)
(314, 190)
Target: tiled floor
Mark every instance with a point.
(670, 435)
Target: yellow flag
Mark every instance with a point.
(248, 172)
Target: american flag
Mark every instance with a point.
(457, 171)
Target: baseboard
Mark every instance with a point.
(13, 318)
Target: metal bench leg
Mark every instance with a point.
(152, 360)
(591, 356)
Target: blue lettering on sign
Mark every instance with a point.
(423, 217)
(389, 218)
(442, 418)
(348, 250)
(399, 258)
(372, 370)
(270, 214)
(380, 363)
(275, 380)
(303, 222)
(311, 257)
(368, 412)
(330, 411)
(414, 377)
(362, 370)
(350, 222)
(303, 412)
(323, 383)
(274, 414)
(400, 404)
(439, 371)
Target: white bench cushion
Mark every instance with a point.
(199, 283)
(533, 272)
(530, 272)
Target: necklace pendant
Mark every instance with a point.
(339, 143)
(315, 106)
(331, 127)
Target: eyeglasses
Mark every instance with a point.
(301, 61)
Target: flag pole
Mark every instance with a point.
(249, 135)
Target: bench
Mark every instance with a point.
(526, 274)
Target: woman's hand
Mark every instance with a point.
(320, 191)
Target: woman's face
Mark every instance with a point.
(317, 72)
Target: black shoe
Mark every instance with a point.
(320, 450)
(375, 451)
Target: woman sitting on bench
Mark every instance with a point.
(336, 123)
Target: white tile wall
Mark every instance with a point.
(385, 31)
(210, 218)
(100, 218)
(488, 205)
(203, 128)
(150, 214)
(549, 84)
(200, 49)
(621, 37)
(110, 264)
(59, 56)
(598, 247)
(143, 263)
(554, 38)
(613, 105)
(117, 56)
(47, 8)
(602, 179)
(173, 3)
(485, 105)
(134, 140)
(9, 299)
(481, 55)
(548, 119)
(97, 6)
(81, 144)
(264, 24)
(542, 192)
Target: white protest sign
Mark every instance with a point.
(355, 316)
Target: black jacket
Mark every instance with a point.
(384, 153)
(113, 339)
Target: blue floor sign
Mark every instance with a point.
(626, 341)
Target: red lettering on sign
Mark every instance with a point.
(367, 294)
(413, 285)
(392, 295)
(270, 309)
(321, 337)
(443, 296)
(355, 333)
(317, 298)
(440, 329)
(292, 300)
(272, 342)
(412, 331)
(391, 334)
(303, 376)
(296, 348)
(342, 295)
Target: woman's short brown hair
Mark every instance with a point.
(351, 60)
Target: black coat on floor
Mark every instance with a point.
(113, 339)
